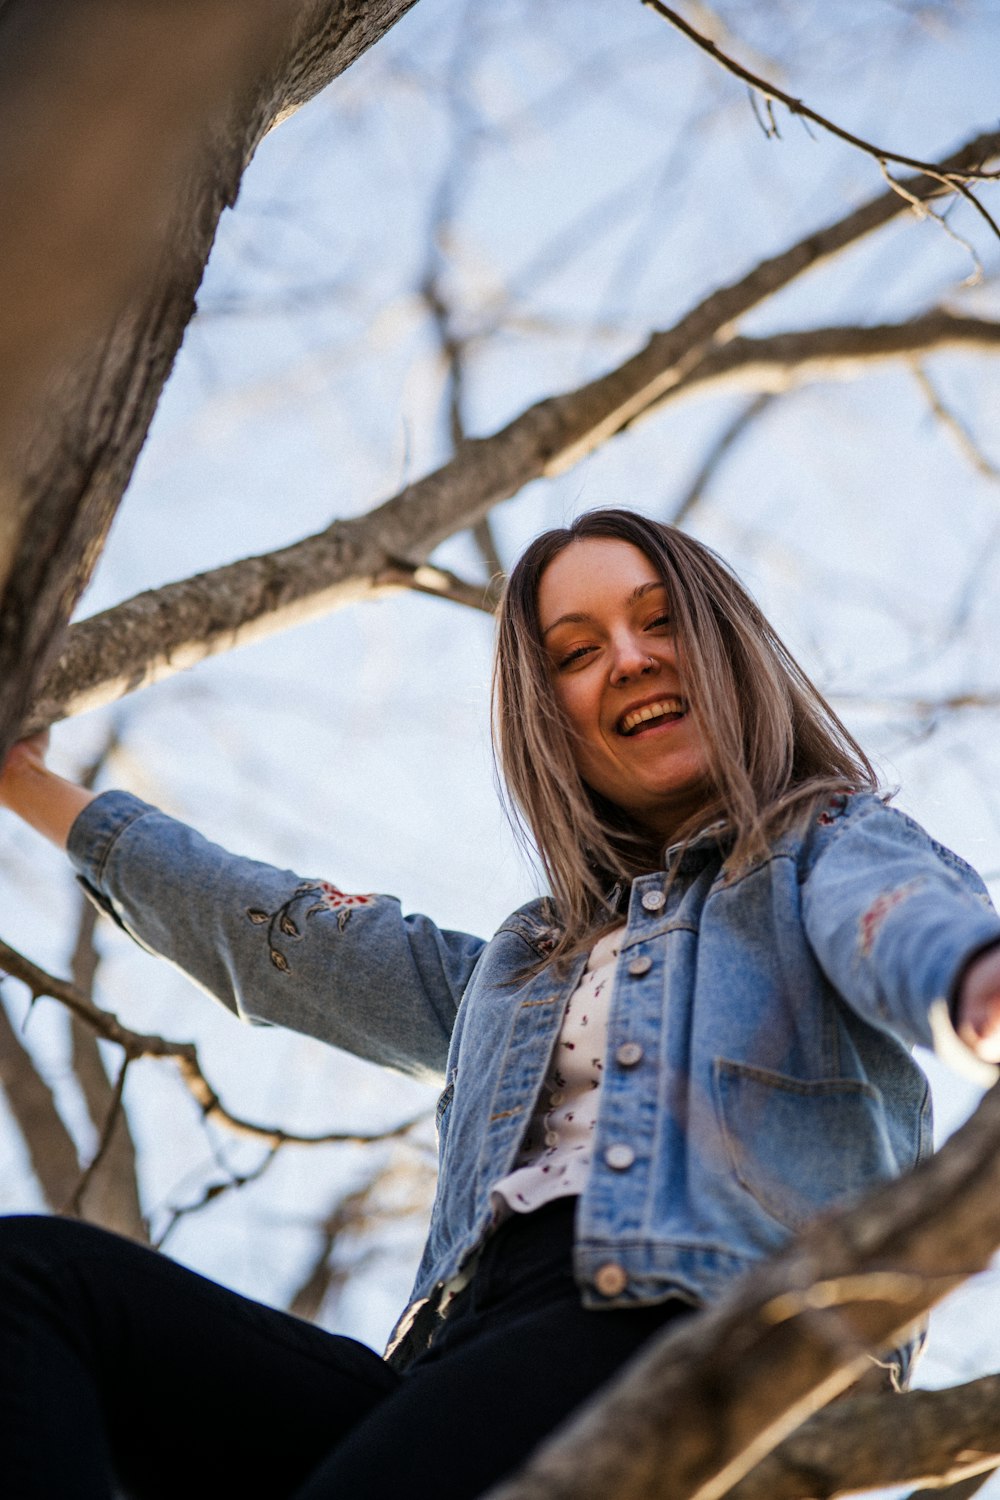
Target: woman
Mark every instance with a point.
(700, 1041)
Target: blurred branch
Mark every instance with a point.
(954, 179)
(212, 1193)
(111, 1121)
(955, 427)
(137, 1044)
(727, 440)
(51, 1148)
(355, 1216)
(867, 1442)
(162, 631)
(109, 1192)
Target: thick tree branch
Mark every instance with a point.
(124, 133)
(137, 1044)
(159, 633)
(867, 1442)
(741, 1376)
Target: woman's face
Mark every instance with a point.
(607, 628)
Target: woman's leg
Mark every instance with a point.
(517, 1356)
(118, 1364)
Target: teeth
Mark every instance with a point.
(649, 711)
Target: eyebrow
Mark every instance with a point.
(582, 619)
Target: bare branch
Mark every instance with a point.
(184, 1054)
(354, 1216)
(727, 439)
(955, 427)
(867, 1442)
(212, 1193)
(51, 1148)
(114, 1110)
(773, 95)
(161, 632)
(736, 1382)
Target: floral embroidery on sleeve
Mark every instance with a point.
(326, 897)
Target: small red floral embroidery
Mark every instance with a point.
(872, 919)
(327, 898)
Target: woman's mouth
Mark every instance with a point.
(660, 711)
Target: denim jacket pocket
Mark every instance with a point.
(801, 1146)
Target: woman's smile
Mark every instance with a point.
(605, 618)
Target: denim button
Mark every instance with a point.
(610, 1279)
(619, 1157)
(640, 965)
(628, 1054)
(653, 900)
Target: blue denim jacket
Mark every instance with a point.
(758, 1066)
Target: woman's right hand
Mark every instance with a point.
(48, 802)
(27, 756)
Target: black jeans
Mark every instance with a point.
(119, 1368)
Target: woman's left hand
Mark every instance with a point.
(978, 1012)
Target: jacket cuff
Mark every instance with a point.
(92, 837)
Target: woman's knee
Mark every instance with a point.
(46, 1239)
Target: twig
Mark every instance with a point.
(184, 1054)
(727, 439)
(953, 425)
(425, 578)
(213, 1191)
(772, 95)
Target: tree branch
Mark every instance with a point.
(51, 1149)
(161, 632)
(955, 427)
(126, 130)
(726, 440)
(773, 95)
(137, 1044)
(869, 1442)
(744, 1374)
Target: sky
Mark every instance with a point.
(573, 177)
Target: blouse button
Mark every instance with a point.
(628, 1054)
(653, 900)
(640, 965)
(619, 1157)
(551, 1139)
(557, 1097)
(610, 1279)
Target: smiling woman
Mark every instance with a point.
(605, 619)
(652, 1075)
(641, 696)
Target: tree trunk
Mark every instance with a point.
(124, 132)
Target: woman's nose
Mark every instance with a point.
(631, 659)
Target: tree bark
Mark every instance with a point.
(868, 1442)
(124, 132)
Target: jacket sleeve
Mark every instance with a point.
(271, 946)
(891, 915)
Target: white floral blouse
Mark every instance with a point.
(554, 1158)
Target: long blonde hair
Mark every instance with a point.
(772, 744)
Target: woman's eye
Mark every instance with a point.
(662, 622)
(577, 654)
